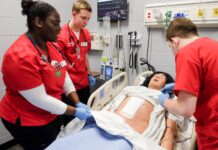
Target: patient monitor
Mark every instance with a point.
(109, 71)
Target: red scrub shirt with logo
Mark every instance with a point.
(197, 73)
(23, 69)
(75, 51)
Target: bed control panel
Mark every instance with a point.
(105, 94)
(117, 82)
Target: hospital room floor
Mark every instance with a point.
(15, 147)
(11, 146)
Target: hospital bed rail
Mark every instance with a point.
(105, 94)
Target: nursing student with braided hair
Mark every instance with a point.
(35, 76)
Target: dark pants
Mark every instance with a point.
(33, 137)
(83, 95)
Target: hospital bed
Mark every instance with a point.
(97, 101)
(105, 94)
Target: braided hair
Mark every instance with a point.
(35, 9)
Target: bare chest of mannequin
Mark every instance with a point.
(140, 121)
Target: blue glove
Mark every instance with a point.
(168, 88)
(92, 80)
(81, 105)
(82, 113)
(162, 98)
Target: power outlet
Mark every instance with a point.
(149, 15)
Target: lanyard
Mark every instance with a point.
(71, 38)
(42, 56)
(56, 66)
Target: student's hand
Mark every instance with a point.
(162, 98)
(92, 80)
(81, 105)
(168, 88)
(82, 113)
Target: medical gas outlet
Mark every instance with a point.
(215, 12)
(201, 12)
(157, 14)
(167, 19)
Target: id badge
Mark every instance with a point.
(78, 52)
(84, 44)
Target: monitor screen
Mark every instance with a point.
(104, 0)
(108, 72)
(116, 9)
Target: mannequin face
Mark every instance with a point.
(157, 81)
(81, 19)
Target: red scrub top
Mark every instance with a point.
(68, 42)
(23, 69)
(197, 73)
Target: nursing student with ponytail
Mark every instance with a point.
(35, 75)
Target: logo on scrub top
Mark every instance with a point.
(57, 67)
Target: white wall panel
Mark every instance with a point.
(10, 8)
(60, 3)
(65, 14)
(64, 7)
(12, 26)
(167, 59)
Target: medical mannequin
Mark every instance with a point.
(35, 76)
(196, 80)
(75, 42)
(139, 121)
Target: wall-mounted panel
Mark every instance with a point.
(204, 13)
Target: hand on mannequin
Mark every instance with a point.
(168, 88)
(162, 98)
